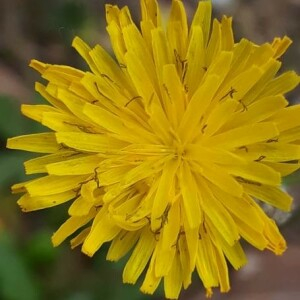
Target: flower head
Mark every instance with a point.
(163, 150)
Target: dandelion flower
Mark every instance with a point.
(166, 150)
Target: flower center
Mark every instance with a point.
(179, 150)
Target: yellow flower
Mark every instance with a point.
(166, 149)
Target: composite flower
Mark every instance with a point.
(166, 149)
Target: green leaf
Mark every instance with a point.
(11, 121)
(16, 281)
(292, 179)
(11, 165)
(40, 250)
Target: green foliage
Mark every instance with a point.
(67, 17)
(16, 280)
(39, 251)
(11, 121)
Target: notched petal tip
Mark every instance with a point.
(8, 143)
(112, 13)
(54, 241)
(280, 45)
(38, 66)
(80, 45)
(87, 252)
(208, 293)
(23, 209)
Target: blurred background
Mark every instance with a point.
(30, 268)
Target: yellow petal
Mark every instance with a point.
(282, 84)
(150, 11)
(115, 33)
(199, 103)
(241, 84)
(234, 253)
(253, 237)
(125, 17)
(192, 237)
(62, 76)
(218, 215)
(96, 143)
(163, 194)
(79, 239)
(36, 112)
(269, 69)
(74, 103)
(202, 18)
(78, 166)
(38, 165)
(28, 203)
(277, 243)
(171, 228)
(222, 270)
(103, 230)
(38, 66)
(136, 45)
(241, 53)
(164, 260)
(190, 196)
(140, 257)
(38, 142)
(121, 244)
(69, 227)
(177, 29)
(144, 170)
(272, 151)
(260, 54)
(107, 67)
(151, 282)
(244, 135)
(90, 191)
(257, 172)
(44, 92)
(83, 49)
(214, 44)
(269, 194)
(219, 156)
(52, 184)
(151, 19)
(281, 45)
(291, 135)
(258, 111)
(284, 168)
(146, 86)
(227, 34)
(121, 213)
(113, 175)
(221, 178)
(80, 207)
(219, 116)
(291, 114)
(195, 68)
(104, 118)
(242, 208)
(185, 262)
(206, 262)
(173, 281)
(175, 96)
